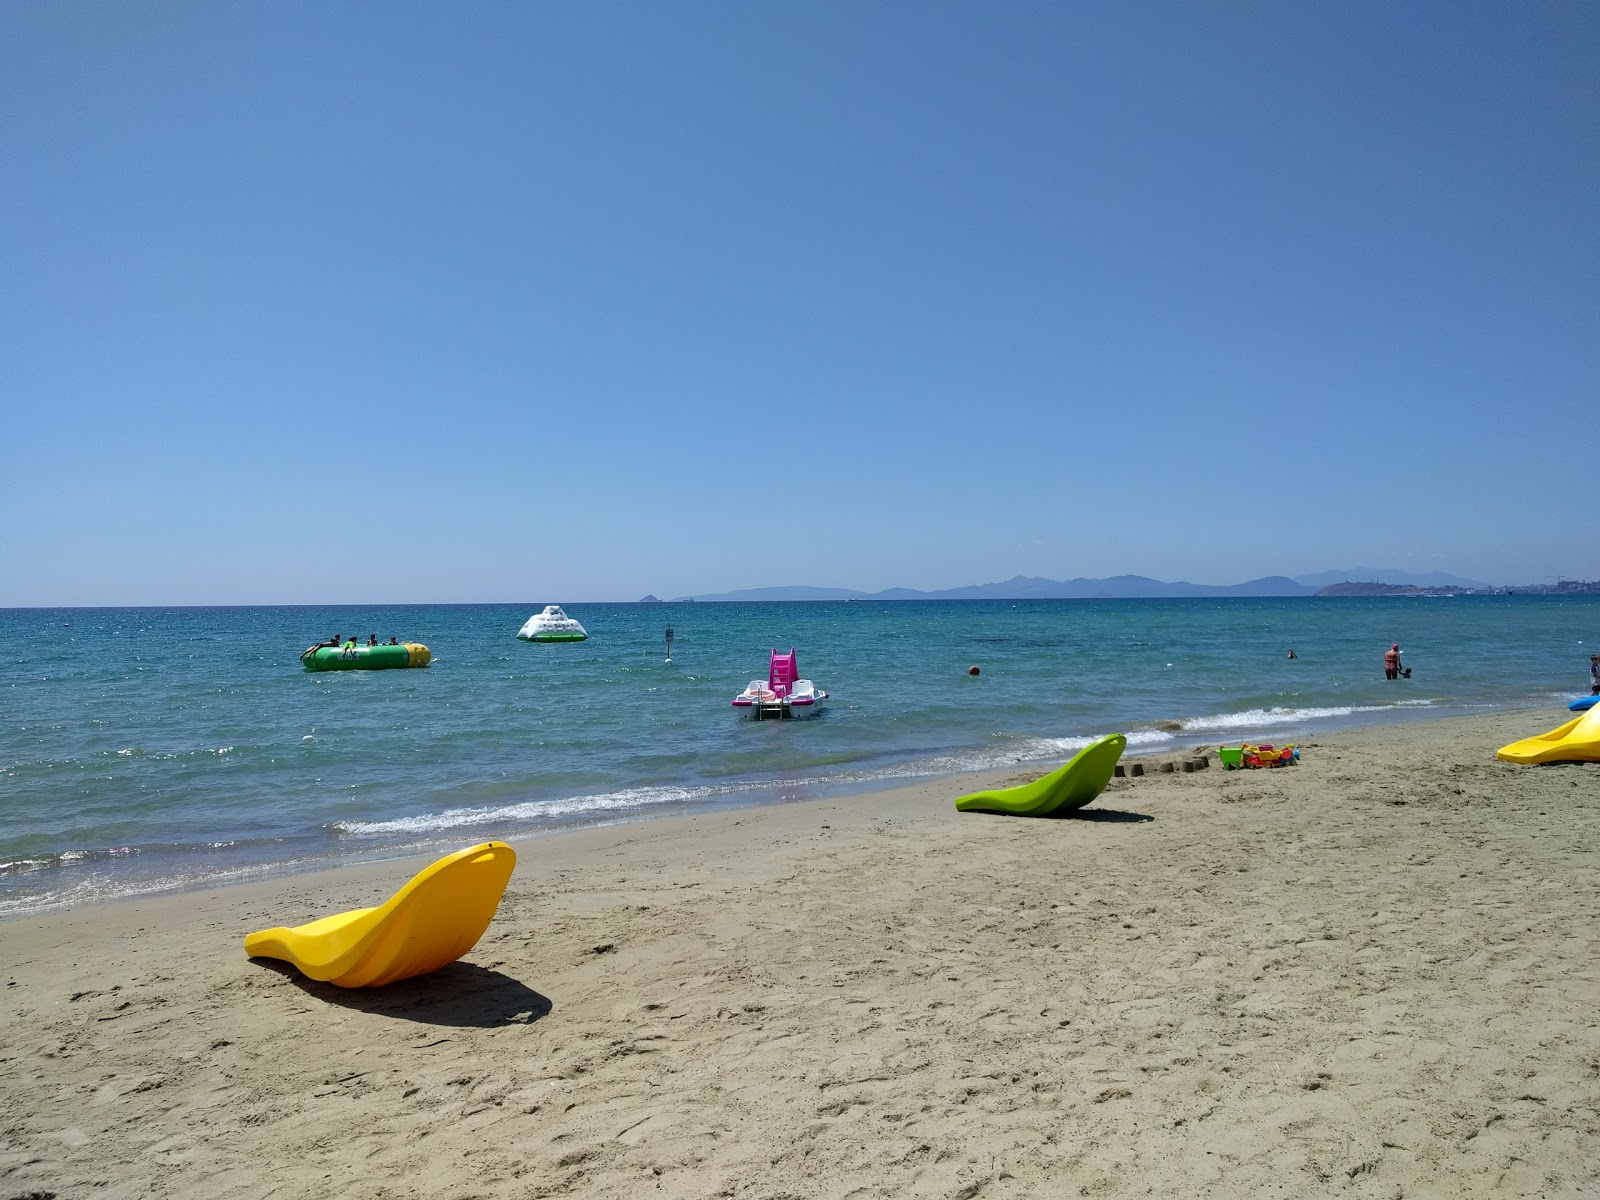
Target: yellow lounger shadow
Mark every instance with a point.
(1069, 787)
(1576, 741)
(433, 920)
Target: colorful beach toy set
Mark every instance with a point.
(1247, 757)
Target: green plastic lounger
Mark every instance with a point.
(1073, 786)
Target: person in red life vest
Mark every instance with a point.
(1391, 662)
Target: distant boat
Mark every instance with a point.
(552, 625)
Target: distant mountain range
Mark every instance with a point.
(1118, 587)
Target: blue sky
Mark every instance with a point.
(397, 302)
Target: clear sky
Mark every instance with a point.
(512, 301)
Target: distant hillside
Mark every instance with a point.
(1386, 589)
(783, 593)
(1567, 587)
(1120, 587)
(1391, 575)
(1352, 581)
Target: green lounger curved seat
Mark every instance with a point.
(436, 918)
(1073, 786)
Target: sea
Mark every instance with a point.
(147, 750)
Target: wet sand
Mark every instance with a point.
(1373, 974)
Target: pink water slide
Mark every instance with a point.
(782, 672)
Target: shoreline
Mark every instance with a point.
(433, 841)
(739, 798)
(183, 751)
(1372, 971)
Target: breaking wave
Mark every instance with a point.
(631, 801)
(1261, 718)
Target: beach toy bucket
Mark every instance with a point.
(1230, 756)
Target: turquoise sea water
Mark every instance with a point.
(146, 749)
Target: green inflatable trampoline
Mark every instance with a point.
(1072, 786)
(365, 658)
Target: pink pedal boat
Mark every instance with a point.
(782, 694)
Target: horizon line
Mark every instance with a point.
(1493, 591)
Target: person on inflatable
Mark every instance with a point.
(1594, 674)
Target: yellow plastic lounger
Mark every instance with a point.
(1576, 741)
(1072, 786)
(432, 921)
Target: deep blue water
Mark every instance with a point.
(143, 749)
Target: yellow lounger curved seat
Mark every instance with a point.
(1576, 741)
(432, 921)
(1068, 787)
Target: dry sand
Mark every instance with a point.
(1373, 974)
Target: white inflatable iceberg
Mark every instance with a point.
(552, 625)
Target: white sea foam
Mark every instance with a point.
(532, 810)
(1142, 737)
(1005, 754)
(1259, 718)
(23, 864)
(996, 757)
(1055, 747)
(93, 886)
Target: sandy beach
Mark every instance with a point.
(1373, 974)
